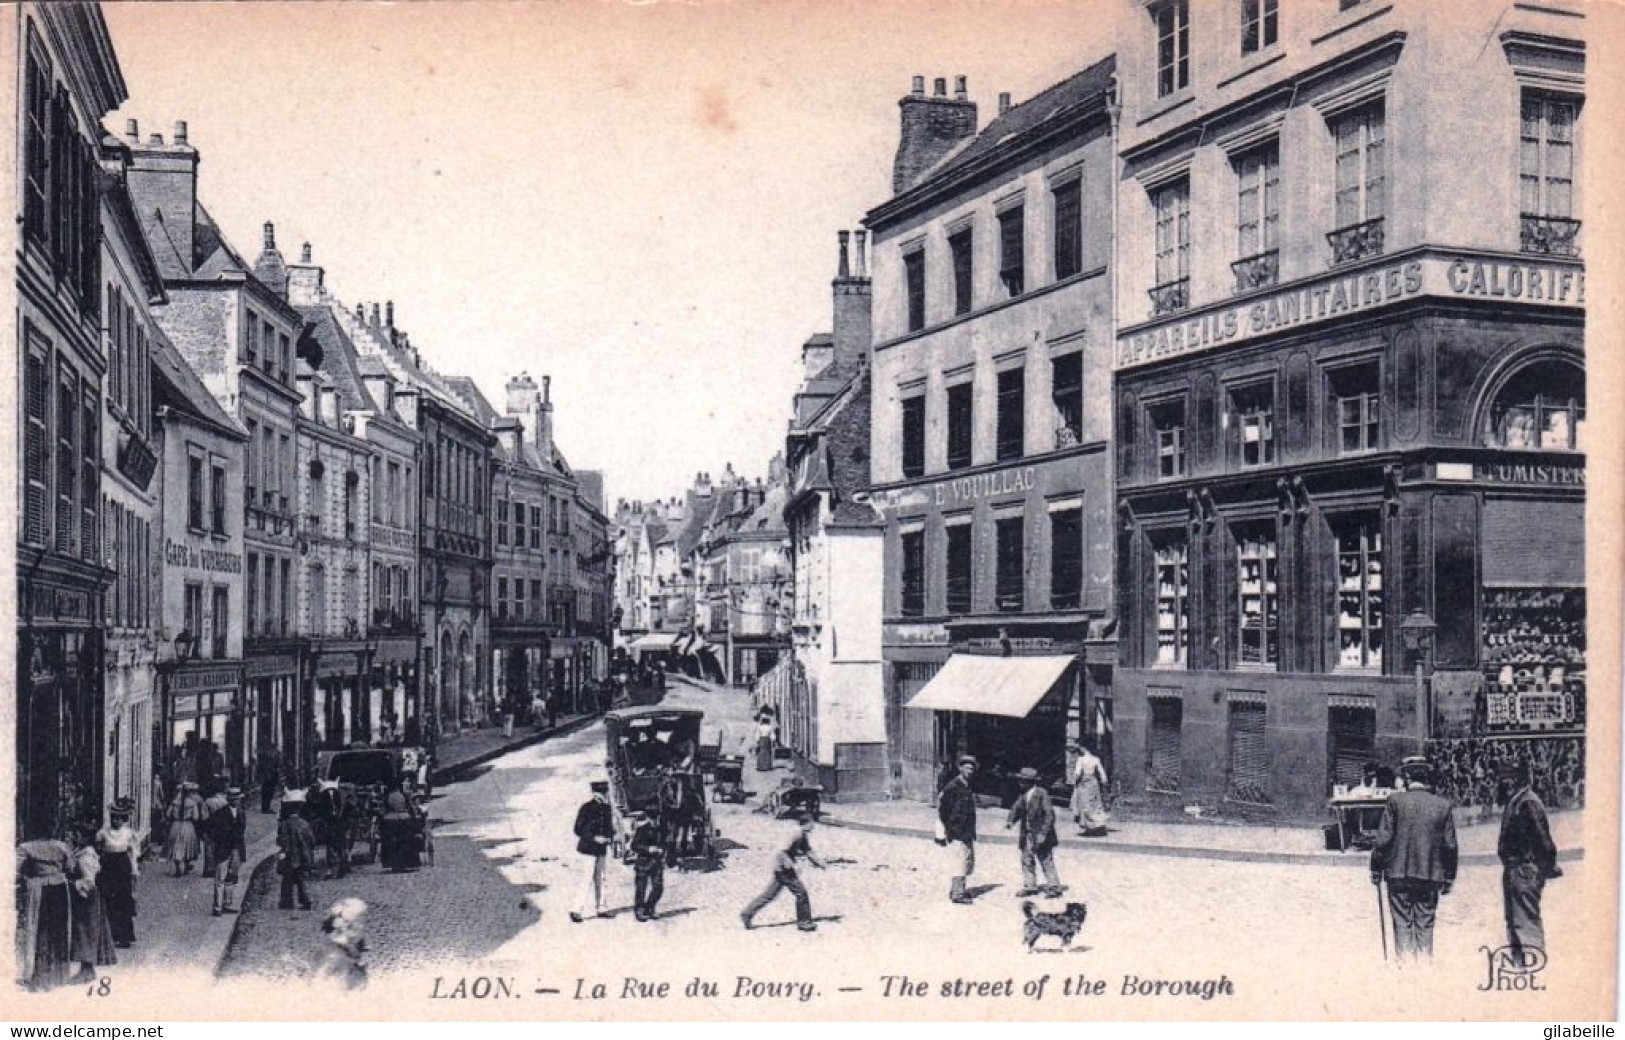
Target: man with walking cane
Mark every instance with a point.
(1415, 855)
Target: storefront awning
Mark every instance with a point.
(655, 642)
(1010, 686)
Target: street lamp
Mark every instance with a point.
(1417, 632)
(184, 645)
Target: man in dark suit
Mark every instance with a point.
(1416, 853)
(226, 832)
(595, 827)
(1528, 859)
(648, 866)
(1037, 838)
(297, 856)
(956, 810)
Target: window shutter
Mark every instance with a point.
(1249, 754)
(36, 450)
(1163, 773)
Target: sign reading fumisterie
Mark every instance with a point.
(1497, 278)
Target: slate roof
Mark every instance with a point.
(336, 356)
(840, 463)
(182, 390)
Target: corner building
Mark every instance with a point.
(1350, 399)
(990, 417)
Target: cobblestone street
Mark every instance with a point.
(495, 905)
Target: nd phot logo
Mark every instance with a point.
(1511, 969)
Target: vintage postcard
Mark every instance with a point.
(1098, 509)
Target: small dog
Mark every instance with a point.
(1065, 924)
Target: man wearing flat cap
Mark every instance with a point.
(594, 829)
(956, 814)
(1416, 854)
(1037, 838)
(1528, 859)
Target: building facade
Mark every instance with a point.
(238, 335)
(521, 634)
(68, 79)
(990, 421)
(831, 697)
(1350, 399)
(130, 523)
(593, 579)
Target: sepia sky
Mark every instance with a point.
(640, 200)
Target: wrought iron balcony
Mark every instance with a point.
(1356, 242)
(1551, 236)
(1255, 272)
(1170, 297)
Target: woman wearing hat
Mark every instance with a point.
(1088, 781)
(119, 848)
(184, 813)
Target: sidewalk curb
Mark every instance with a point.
(454, 772)
(1322, 859)
(265, 849)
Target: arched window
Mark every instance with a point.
(1541, 408)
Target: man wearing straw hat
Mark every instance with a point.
(1415, 854)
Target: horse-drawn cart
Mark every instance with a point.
(654, 769)
(372, 798)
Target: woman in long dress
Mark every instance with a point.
(184, 813)
(120, 849)
(1088, 803)
(92, 936)
(45, 872)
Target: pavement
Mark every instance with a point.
(176, 932)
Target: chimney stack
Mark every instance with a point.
(1004, 102)
(842, 270)
(304, 253)
(360, 314)
(850, 329)
(860, 253)
(919, 86)
(375, 322)
(270, 237)
(931, 128)
(180, 131)
(389, 314)
(132, 131)
(547, 390)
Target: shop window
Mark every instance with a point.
(1253, 414)
(1066, 391)
(1163, 751)
(1012, 413)
(1546, 177)
(1173, 606)
(1066, 559)
(1351, 738)
(1258, 217)
(914, 283)
(1173, 27)
(1359, 592)
(913, 434)
(1068, 203)
(1257, 596)
(1542, 408)
(1259, 25)
(1249, 753)
(960, 570)
(1009, 564)
(961, 424)
(1168, 427)
(960, 249)
(1360, 196)
(1534, 658)
(1356, 408)
(913, 584)
(1172, 206)
(1013, 251)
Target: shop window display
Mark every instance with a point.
(1359, 594)
(1173, 604)
(1541, 409)
(1534, 659)
(1258, 597)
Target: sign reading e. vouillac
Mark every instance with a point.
(1325, 299)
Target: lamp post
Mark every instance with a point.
(1417, 632)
